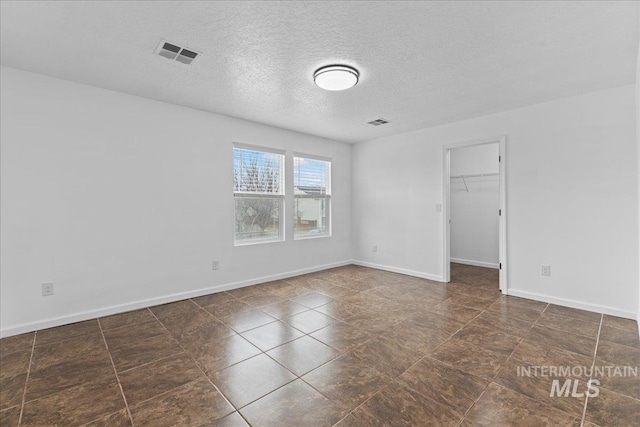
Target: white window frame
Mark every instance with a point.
(280, 196)
(326, 197)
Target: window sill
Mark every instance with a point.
(257, 242)
(316, 236)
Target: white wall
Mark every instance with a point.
(474, 207)
(638, 162)
(124, 202)
(572, 199)
(475, 159)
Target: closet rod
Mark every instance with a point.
(475, 175)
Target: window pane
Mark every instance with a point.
(257, 218)
(310, 217)
(311, 177)
(257, 171)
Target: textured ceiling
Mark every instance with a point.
(421, 63)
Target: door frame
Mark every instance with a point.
(502, 222)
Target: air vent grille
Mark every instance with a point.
(378, 122)
(174, 52)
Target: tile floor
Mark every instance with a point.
(350, 346)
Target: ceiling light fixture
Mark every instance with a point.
(336, 77)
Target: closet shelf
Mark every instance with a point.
(474, 175)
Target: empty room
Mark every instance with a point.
(319, 213)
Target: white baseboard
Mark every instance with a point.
(150, 302)
(475, 263)
(612, 311)
(122, 308)
(399, 270)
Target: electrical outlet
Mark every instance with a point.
(375, 248)
(438, 207)
(47, 289)
(215, 264)
(545, 270)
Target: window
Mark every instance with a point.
(259, 195)
(312, 197)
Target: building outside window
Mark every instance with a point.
(312, 197)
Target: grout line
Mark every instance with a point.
(535, 322)
(595, 352)
(263, 352)
(619, 327)
(201, 370)
(115, 371)
(168, 391)
(272, 391)
(428, 355)
(514, 350)
(453, 367)
(393, 380)
(472, 405)
(424, 356)
(363, 402)
(100, 417)
(544, 310)
(458, 330)
(619, 393)
(502, 365)
(569, 318)
(124, 371)
(26, 381)
(339, 354)
(142, 341)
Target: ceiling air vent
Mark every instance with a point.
(378, 122)
(174, 52)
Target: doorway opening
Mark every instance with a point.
(474, 211)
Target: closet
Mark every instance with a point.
(474, 204)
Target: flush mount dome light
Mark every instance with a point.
(336, 77)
